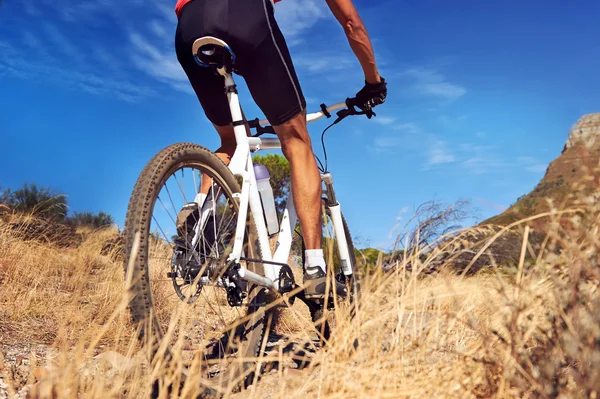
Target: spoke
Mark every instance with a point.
(180, 188)
(170, 199)
(196, 187)
(214, 215)
(183, 181)
(231, 221)
(225, 209)
(166, 210)
(161, 230)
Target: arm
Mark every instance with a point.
(346, 14)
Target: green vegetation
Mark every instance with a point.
(536, 201)
(40, 201)
(94, 221)
(45, 203)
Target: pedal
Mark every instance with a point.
(286, 280)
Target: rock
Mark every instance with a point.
(586, 131)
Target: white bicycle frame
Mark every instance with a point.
(241, 165)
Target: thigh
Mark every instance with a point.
(264, 60)
(208, 85)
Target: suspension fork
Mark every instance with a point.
(338, 225)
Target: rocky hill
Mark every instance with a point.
(572, 177)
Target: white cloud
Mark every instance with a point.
(483, 163)
(384, 120)
(158, 28)
(167, 12)
(74, 45)
(387, 142)
(424, 74)
(475, 165)
(445, 90)
(430, 82)
(537, 168)
(405, 135)
(409, 128)
(158, 64)
(319, 63)
(474, 148)
(78, 56)
(439, 154)
(86, 10)
(62, 42)
(526, 160)
(295, 17)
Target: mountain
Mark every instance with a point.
(572, 177)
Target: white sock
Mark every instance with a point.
(314, 257)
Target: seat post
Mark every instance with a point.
(239, 158)
(220, 62)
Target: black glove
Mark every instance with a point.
(371, 95)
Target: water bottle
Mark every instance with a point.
(266, 196)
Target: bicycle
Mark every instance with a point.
(235, 261)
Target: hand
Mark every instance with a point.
(371, 94)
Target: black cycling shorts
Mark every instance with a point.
(262, 57)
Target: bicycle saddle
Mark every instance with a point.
(212, 52)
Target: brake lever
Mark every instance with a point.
(342, 114)
(368, 112)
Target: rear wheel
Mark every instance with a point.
(177, 272)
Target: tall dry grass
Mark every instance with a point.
(535, 333)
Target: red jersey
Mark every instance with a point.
(181, 3)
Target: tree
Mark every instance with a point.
(279, 171)
(94, 221)
(40, 201)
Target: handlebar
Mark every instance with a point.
(346, 108)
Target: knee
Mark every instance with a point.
(294, 139)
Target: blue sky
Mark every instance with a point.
(482, 94)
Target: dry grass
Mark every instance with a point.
(441, 335)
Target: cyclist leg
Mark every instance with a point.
(266, 65)
(268, 70)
